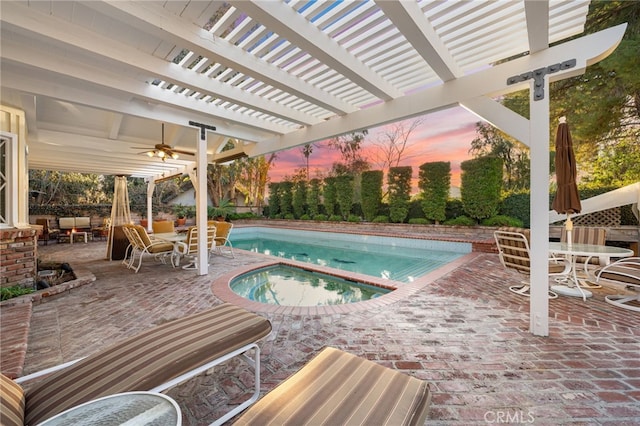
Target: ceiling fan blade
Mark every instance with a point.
(140, 147)
(179, 151)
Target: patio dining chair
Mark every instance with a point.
(189, 248)
(222, 242)
(513, 249)
(141, 245)
(626, 272)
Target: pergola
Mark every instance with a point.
(95, 79)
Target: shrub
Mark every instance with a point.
(305, 217)
(516, 205)
(454, 208)
(381, 219)
(434, 182)
(418, 221)
(461, 221)
(289, 216)
(354, 218)
(481, 181)
(502, 220)
(320, 217)
(7, 293)
(399, 187)
(371, 193)
(335, 218)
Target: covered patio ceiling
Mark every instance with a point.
(97, 79)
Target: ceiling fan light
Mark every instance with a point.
(151, 153)
(174, 155)
(161, 154)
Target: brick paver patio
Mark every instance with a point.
(462, 330)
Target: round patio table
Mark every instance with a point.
(131, 408)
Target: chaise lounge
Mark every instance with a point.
(335, 387)
(155, 360)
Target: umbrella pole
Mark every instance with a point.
(568, 225)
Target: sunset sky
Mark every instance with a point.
(443, 136)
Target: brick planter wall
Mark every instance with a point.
(18, 252)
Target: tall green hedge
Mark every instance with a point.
(274, 199)
(286, 198)
(371, 193)
(434, 183)
(299, 198)
(313, 197)
(399, 185)
(330, 195)
(481, 186)
(344, 194)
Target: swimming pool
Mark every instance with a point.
(398, 259)
(293, 286)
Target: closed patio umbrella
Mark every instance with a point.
(567, 199)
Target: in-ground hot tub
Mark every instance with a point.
(293, 286)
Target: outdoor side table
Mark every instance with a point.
(81, 233)
(135, 408)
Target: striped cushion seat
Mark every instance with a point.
(11, 402)
(337, 388)
(147, 360)
(586, 235)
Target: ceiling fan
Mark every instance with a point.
(163, 151)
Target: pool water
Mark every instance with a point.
(395, 259)
(291, 286)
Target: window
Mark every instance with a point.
(8, 179)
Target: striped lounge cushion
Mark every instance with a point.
(147, 360)
(337, 388)
(11, 402)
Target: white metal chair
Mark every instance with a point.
(624, 271)
(513, 249)
(189, 248)
(222, 242)
(141, 244)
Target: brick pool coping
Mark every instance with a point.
(221, 289)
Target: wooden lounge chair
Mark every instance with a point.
(155, 360)
(624, 271)
(513, 249)
(338, 388)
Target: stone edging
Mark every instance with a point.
(83, 277)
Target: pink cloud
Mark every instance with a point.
(443, 136)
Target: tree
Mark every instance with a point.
(349, 147)
(602, 105)
(307, 150)
(392, 142)
(371, 193)
(253, 178)
(299, 198)
(435, 181)
(399, 187)
(514, 155)
(313, 197)
(481, 186)
(344, 194)
(330, 195)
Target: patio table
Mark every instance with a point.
(139, 408)
(571, 286)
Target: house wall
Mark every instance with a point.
(18, 248)
(12, 120)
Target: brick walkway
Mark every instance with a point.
(462, 330)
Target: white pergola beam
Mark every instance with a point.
(194, 38)
(490, 82)
(422, 36)
(287, 23)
